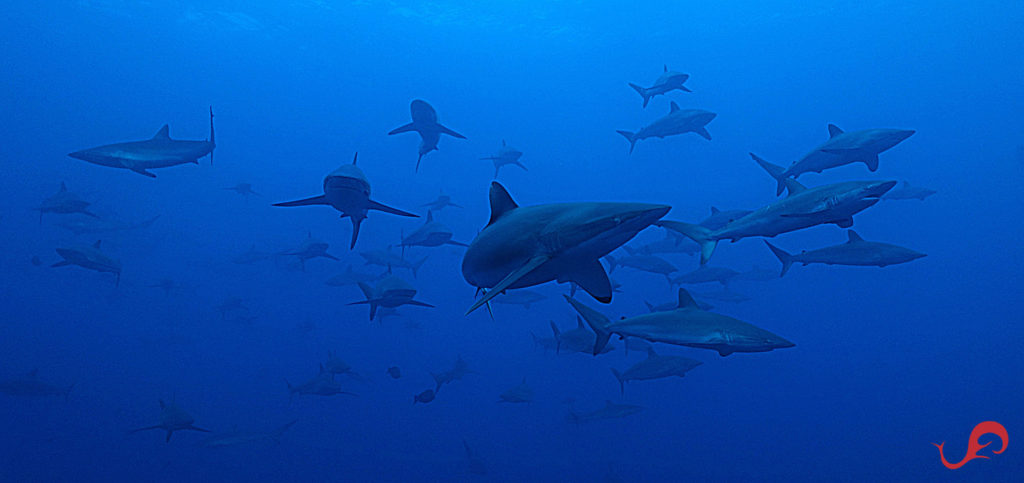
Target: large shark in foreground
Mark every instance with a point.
(677, 121)
(687, 325)
(669, 80)
(173, 418)
(89, 257)
(160, 151)
(425, 122)
(855, 251)
(804, 207)
(655, 367)
(843, 148)
(526, 246)
(347, 190)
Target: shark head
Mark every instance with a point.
(92, 155)
(703, 117)
(887, 138)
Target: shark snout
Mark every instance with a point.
(643, 214)
(706, 117)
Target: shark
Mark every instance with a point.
(908, 192)
(474, 463)
(505, 156)
(524, 298)
(432, 233)
(803, 208)
(426, 123)
(655, 367)
(173, 418)
(526, 246)
(334, 365)
(677, 121)
(609, 411)
(668, 81)
(244, 189)
(441, 202)
(30, 386)
(518, 394)
(89, 257)
(160, 151)
(705, 274)
(578, 339)
(687, 325)
(321, 385)
(347, 190)
(390, 292)
(843, 148)
(240, 438)
(424, 397)
(65, 202)
(388, 260)
(545, 343)
(671, 243)
(352, 277)
(856, 251)
(310, 248)
(645, 263)
(82, 226)
(457, 372)
(720, 218)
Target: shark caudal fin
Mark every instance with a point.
(631, 137)
(622, 381)
(415, 267)
(696, 233)
(370, 298)
(785, 258)
(213, 143)
(597, 322)
(642, 92)
(558, 336)
(773, 170)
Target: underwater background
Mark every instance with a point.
(887, 360)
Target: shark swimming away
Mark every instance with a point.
(160, 151)
(677, 121)
(530, 245)
(347, 190)
(172, 418)
(855, 252)
(426, 123)
(668, 81)
(90, 257)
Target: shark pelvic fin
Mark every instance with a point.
(592, 278)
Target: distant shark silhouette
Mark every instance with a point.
(425, 122)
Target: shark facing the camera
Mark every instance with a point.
(426, 123)
(530, 245)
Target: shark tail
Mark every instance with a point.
(416, 267)
(356, 222)
(368, 292)
(785, 258)
(775, 171)
(622, 382)
(599, 323)
(642, 92)
(696, 233)
(213, 143)
(631, 137)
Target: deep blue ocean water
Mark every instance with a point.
(887, 360)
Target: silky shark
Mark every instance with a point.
(720, 218)
(390, 292)
(804, 207)
(244, 189)
(855, 251)
(321, 385)
(29, 385)
(668, 81)
(89, 257)
(425, 122)
(519, 394)
(530, 245)
(505, 156)
(843, 148)
(347, 190)
(172, 418)
(432, 233)
(441, 202)
(705, 274)
(64, 202)
(457, 372)
(387, 259)
(310, 248)
(644, 263)
(352, 277)
(577, 339)
(687, 325)
(525, 298)
(677, 121)
(908, 192)
(160, 151)
(655, 367)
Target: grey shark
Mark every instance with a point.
(310, 248)
(457, 372)
(390, 292)
(505, 156)
(519, 394)
(239, 438)
(173, 418)
(578, 339)
(426, 123)
(843, 148)
(321, 385)
(432, 233)
(64, 202)
(908, 192)
(387, 259)
(89, 257)
(244, 189)
(804, 207)
(347, 190)
(474, 463)
(706, 274)
(855, 251)
(677, 121)
(524, 298)
(720, 218)
(644, 263)
(655, 367)
(81, 226)
(334, 365)
(160, 151)
(687, 325)
(527, 246)
(609, 411)
(441, 202)
(29, 386)
(668, 81)
(672, 243)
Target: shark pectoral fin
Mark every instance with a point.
(62, 263)
(509, 280)
(418, 303)
(871, 162)
(143, 172)
(147, 428)
(387, 209)
(703, 132)
(449, 132)
(406, 128)
(194, 428)
(316, 200)
(592, 278)
(458, 244)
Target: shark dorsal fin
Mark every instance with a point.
(430, 216)
(793, 186)
(673, 107)
(664, 67)
(651, 353)
(715, 211)
(163, 134)
(355, 158)
(834, 130)
(853, 237)
(97, 244)
(579, 322)
(64, 188)
(685, 300)
(501, 202)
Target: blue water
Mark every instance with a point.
(887, 361)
